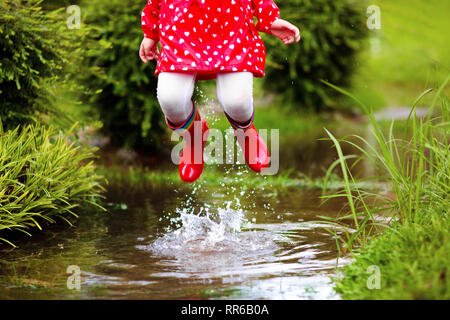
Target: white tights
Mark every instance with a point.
(234, 92)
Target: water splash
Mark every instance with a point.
(214, 242)
(210, 231)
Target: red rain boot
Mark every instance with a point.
(255, 149)
(192, 131)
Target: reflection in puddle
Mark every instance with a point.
(188, 246)
(159, 241)
(271, 260)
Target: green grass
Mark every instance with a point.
(413, 54)
(213, 176)
(413, 253)
(413, 259)
(43, 177)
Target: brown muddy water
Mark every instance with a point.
(166, 242)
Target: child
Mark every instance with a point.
(207, 39)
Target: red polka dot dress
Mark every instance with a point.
(209, 36)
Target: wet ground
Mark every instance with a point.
(157, 243)
(162, 241)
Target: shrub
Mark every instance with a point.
(38, 55)
(127, 103)
(43, 176)
(56, 4)
(331, 37)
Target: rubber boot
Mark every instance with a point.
(195, 132)
(253, 146)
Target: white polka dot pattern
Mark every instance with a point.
(209, 35)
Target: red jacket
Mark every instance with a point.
(208, 36)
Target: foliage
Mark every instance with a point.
(332, 33)
(413, 261)
(39, 56)
(136, 175)
(416, 167)
(43, 176)
(56, 4)
(127, 102)
(410, 53)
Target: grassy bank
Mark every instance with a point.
(215, 176)
(413, 253)
(44, 177)
(413, 259)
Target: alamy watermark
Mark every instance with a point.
(373, 17)
(373, 23)
(221, 150)
(74, 280)
(74, 20)
(374, 280)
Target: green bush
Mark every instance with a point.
(331, 37)
(127, 103)
(39, 55)
(43, 176)
(56, 4)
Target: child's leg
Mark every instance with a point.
(235, 95)
(174, 94)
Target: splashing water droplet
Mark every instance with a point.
(210, 232)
